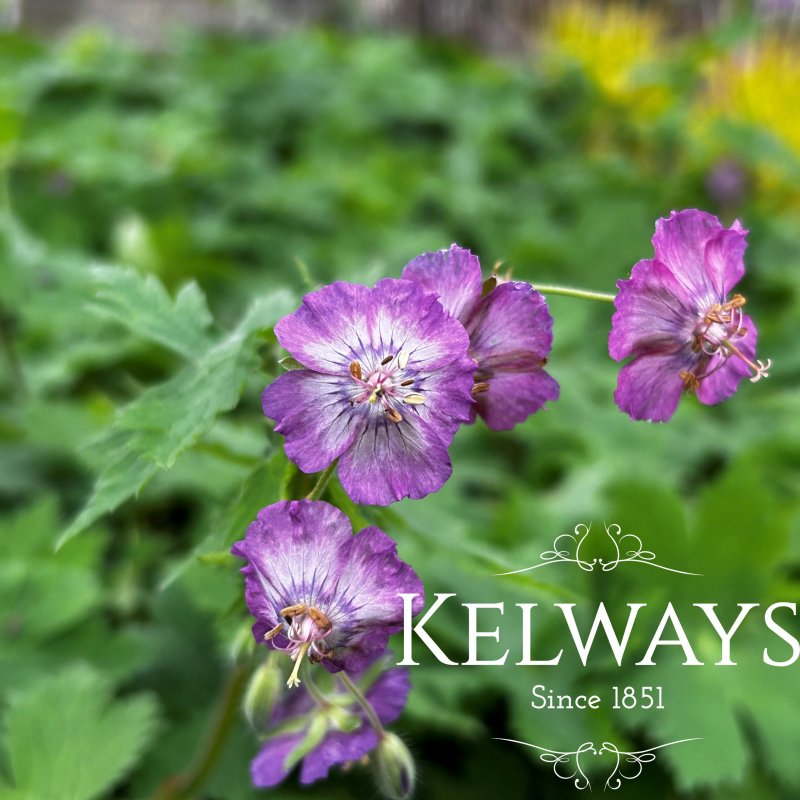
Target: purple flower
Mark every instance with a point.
(510, 333)
(317, 591)
(310, 732)
(385, 385)
(675, 318)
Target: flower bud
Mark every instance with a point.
(242, 645)
(395, 773)
(262, 692)
(345, 720)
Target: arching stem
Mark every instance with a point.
(567, 291)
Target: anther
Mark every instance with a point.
(319, 619)
(402, 359)
(409, 382)
(386, 360)
(294, 611)
(355, 370)
(270, 635)
(690, 381)
(413, 399)
(394, 415)
(480, 387)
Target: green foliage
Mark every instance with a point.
(67, 739)
(163, 208)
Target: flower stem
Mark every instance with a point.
(364, 703)
(322, 482)
(188, 784)
(567, 291)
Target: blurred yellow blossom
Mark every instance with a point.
(614, 45)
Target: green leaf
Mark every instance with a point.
(67, 739)
(152, 431)
(141, 304)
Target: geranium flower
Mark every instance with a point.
(510, 332)
(317, 591)
(385, 384)
(312, 734)
(676, 318)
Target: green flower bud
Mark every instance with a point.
(263, 690)
(395, 773)
(243, 645)
(344, 720)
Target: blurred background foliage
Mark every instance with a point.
(163, 207)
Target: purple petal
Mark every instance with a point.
(680, 243)
(294, 551)
(454, 275)
(723, 382)
(267, 768)
(511, 326)
(513, 397)
(511, 333)
(653, 312)
(326, 332)
(337, 748)
(650, 386)
(725, 256)
(313, 411)
(389, 693)
(343, 322)
(390, 461)
(365, 606)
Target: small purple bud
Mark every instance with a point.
(395, 772)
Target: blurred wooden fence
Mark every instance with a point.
(497, 25)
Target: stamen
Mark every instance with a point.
(386, 360)
(319, 619)
(409, 382)
(480, 387)
(294, 680)
(270, 635)
(355, 370)
(690, 381)
(294, 611)
(402, 359)
(394, 415)
(413, 399)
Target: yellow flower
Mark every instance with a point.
(614, 45)
(760, 86)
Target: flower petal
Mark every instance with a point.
(680, 243)
(453, 274)
(313, 411)
(389, 693)
(337, 748)
(390, 461)
(513, 396)
(650, 386)
(364, 605)
(344, 322)
(653, 312)
(510, 328)
(294, 550)
(267, 768)
(725, 256)
(723, 382)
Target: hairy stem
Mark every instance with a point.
(567, 291)
(364, 703)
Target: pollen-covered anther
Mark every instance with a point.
(480, 387)
(402, 359)
(270, 635)
(355, 370)
(690, 381)
(394, 415)
(319, 619)
(413, 399)
(294, 611)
